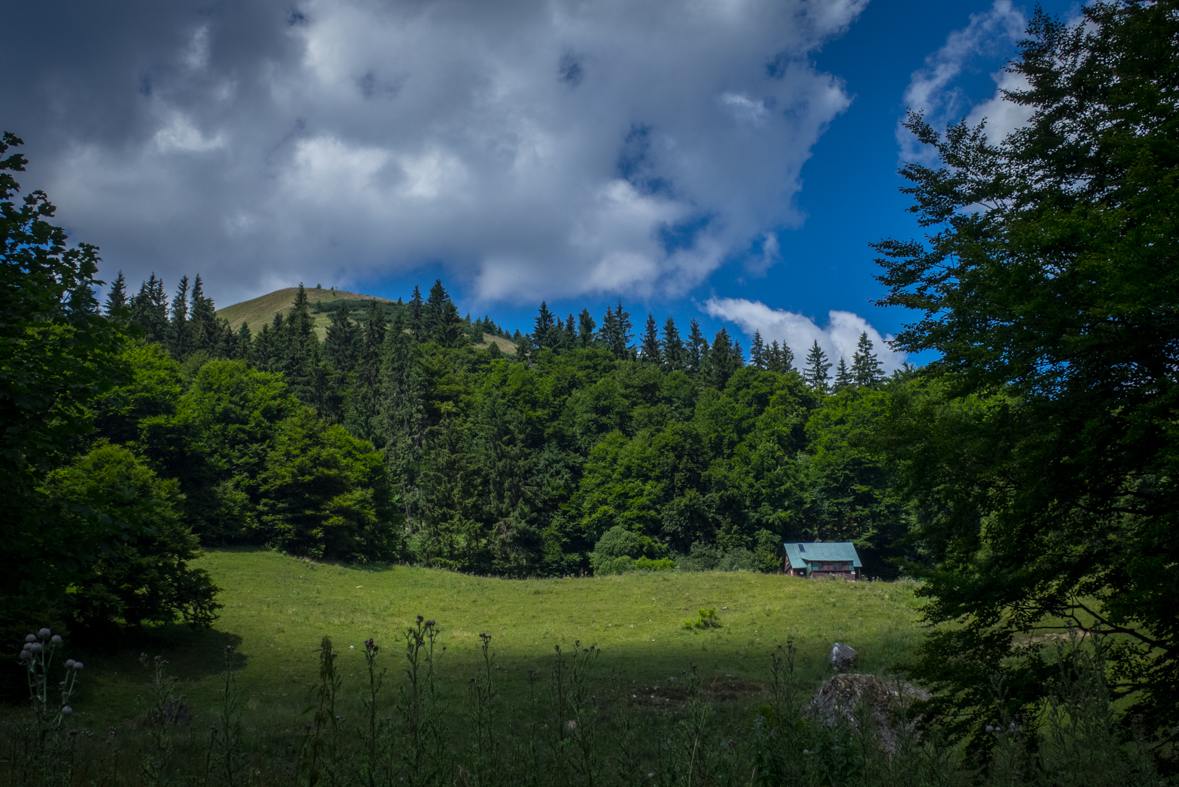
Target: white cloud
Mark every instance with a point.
(838, 338)
(932, 90)
(538, 148)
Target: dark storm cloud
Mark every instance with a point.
(537, 148)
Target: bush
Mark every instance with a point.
(620, 550)
(739, 559)
(624, 565)
(112, 497)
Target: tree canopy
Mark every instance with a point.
(1042, 447)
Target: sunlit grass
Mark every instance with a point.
(278, 608)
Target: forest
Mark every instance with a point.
(396, 439)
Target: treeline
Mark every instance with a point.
(512, 464)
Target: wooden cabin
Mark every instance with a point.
(822, 559)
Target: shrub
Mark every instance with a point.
(143, 577)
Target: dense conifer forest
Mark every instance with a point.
(396, 438)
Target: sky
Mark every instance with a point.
(728, 161)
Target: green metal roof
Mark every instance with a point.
(802, 553)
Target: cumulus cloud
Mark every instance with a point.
(932, 89)
(838, 338)
(538, 148)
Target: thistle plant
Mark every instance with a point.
(51, 703)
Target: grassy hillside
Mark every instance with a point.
(261, 310)
(278, 608)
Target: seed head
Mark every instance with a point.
(35, 647)
(31, 638)
(55, 639)
(78, 665)
(44, 633)
(70, 663)
(26, 656)
(67, 711)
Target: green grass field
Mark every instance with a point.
(278, 608)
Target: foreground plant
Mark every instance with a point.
(51, 703)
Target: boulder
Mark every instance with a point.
(837, 700)
(843, 657)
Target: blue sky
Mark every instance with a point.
(728, 161)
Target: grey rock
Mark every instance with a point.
(843, 657)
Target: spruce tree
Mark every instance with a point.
(262, 351)
(569, 341)
(449, 331)
(116, 299)
(244, 342)
(622, 336)
(609, 329)
(544, 333)
(866, 369)
(697, 355)
(843, 376)
(674, 355)
(724, 359)
(301, 363)
(585, 328)
(817, 367)
(780, 359)
(402, 421)
(417, 315)
(651, 352)
(204, 332)
(341, 344)
(179, 330)
(757, 352)
(437, 318)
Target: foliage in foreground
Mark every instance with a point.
(580, 724)
(1041, 449)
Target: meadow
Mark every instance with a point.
(278, 608)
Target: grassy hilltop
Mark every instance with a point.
(261, 310)
(278, 608)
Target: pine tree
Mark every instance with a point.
(179, 330)
(674, 355)
(757, 352)
(651, 352)
(585, 328)
(843, 376)
(697, 359)
(866, 369)
(817, 367)
(116, 300)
